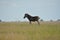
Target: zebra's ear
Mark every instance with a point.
(26, 14)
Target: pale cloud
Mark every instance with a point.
(7, 3)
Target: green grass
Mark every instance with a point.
(26, 31)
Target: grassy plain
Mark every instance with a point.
(26, 31)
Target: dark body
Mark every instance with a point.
(32, 18)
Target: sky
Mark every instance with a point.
(14, 10)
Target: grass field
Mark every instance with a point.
(26, 31)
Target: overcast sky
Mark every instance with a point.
(14, 10)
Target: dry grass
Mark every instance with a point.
(25, 31)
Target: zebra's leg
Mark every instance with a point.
(30, 22)
(38, 22)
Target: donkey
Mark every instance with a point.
(32, 18)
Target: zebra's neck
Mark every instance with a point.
(29, 17)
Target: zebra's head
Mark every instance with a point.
(26, 15)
